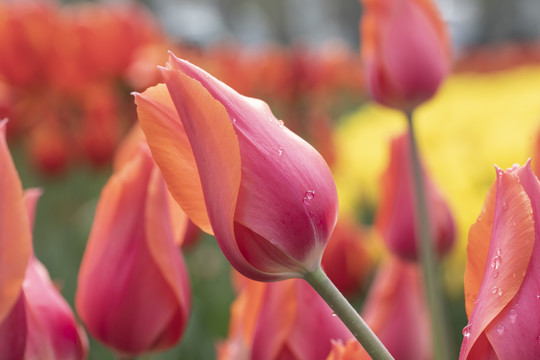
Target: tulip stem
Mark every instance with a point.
(350, 317)
(441, 338)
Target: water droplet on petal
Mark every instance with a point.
(499, 252)
(504, 205)
(494, 290)
(466, 331)
(500, 329)
(308, 196)
(537, 296)
(499, 291)
(269, 119)
(280, 123)
(496, 262)
(495, 274)
(512, 316)
(234, 121)
(280, 151)
(333, 314)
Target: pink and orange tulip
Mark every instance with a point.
(405, 50)
(395, 218)
(133, 292)
(239, 173)
(502, 294)
(281, 320)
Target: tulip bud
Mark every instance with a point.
(15, 234)
(405, 50)
(133, 292)
(41, 325)
(395, 218)
(502, 295)
(239, 173)
(281, 320)
(396, 311)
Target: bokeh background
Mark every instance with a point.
(67, 70)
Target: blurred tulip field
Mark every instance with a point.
(131, 171)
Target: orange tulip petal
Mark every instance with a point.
(15, 234)
(172, 152)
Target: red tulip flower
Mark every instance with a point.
(239, 173)
(133, 292)
(346, 259)
(405, 49)
(395, 217)
(281, 320)
(502, 276)
(15, 233)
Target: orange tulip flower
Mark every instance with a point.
(281, 320)
(239, 173)
(41, 325)
(502, 277)
(133, 292)
(405, 49)
(15, 234)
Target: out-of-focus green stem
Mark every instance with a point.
(350, 317)
(441, 339)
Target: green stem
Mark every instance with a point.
(342, 308)
(441, 339)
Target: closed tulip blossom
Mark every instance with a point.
(281, 320)
(41, 325)
(405, 50)
(239, 173)
(133, 293)
(502, 294)
(396, 310)
(395, 218)
(15, 233)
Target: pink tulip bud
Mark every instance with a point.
(133, 293)
(395, 218)
(239, 173)
(405, 49)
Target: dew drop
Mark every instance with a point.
(499, 252)
(466, 331)
(537, 296)
(504, 205)
(499, 291)
(523, 273)
(495, 274)
(280, 151)
(512, 316)
(513, 275)
(496, 262)
(500, 329)
(308, 196)
(280, 123)
(234, 121)
(269, 119)
(333, 314)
